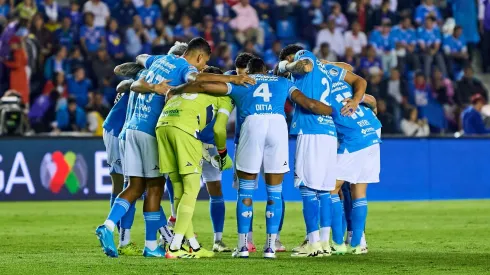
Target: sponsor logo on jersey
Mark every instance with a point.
(367, 130)
(333, 72)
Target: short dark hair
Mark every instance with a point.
(213, 70)
(419, 74)
(241, 61)
(199, 44)
(256, 65)
(71, 100)
(289, 50)
(457, 27)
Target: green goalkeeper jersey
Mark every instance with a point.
(192, 112)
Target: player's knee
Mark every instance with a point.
(247, 201)
(214, 188)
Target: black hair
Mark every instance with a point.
(71, 99)
(256, 66)
(457, 27)
(242, 60)
(419, 73)
(408, 113)
(198, 44)
(213, 70)
(289, 50)
(55, 78)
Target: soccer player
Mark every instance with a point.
(316, 145)
(263, 142)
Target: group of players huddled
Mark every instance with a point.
(168, 128)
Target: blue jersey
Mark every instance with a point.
(429, 37)
(115, 119)
(422, 11)
(404, 36)
(357, 131)
(314, 85)
(130, 106)
(454, 45)
(149, 15)
(149, 106)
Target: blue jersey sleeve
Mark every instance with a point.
(291, 87)
(304, 54)
(335, 73)
(150, 61)
(186, 71)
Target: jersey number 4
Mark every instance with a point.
(263, 91)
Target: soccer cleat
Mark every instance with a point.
(301, 247)
(358, 250)
(251, 247)
(106, 239)
(159, 252)
(180, 254)
(339, 249)
(129, 250)
(202, 253)
(279, 246)
(327, 251)
(311, 250)
(220, 246)
(269, 253)
(240, 253)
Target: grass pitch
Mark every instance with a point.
(404, 238)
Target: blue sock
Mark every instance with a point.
(283, 211)
(310, 209)
(325, 208)
(119, 208)
(217, 210)
(163, 218)
(170, 191)
(152, 222)
(337, 231)
(113, 197)
(347, 204)
(128, 218)
(273, 210)
(359, 214)
(244, 212)
(344, 221)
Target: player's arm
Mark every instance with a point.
(309, 104)
(143, 87)
(214, 88)
(208, 77)
(124, 86)
(301, 66)
(141, 59)
(129, 69)
(342, 65)
(370, 101)
(359, 85)
(219, 130)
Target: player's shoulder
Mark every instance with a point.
(304, 54)
(231, 72)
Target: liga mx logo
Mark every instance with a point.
(69, 170)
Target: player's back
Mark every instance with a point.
(314, 85)
(114, 121)
(132, 96)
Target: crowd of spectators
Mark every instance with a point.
(415, 54)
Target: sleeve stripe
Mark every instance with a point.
(186, 77)
(224, 111)
(342, 75)
(291, 90)
(229, 88)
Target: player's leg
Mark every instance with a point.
(279, 246)
(217, 211)
(244, 211)
(325, 220)
(170, 192)
(152, 215)
(338, 245)
(347, 202)
(273, 211)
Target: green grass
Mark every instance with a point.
(404, 238)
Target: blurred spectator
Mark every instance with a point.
(385, 45)
(171, 14)
(65, 35)
(466, 15)
(394, 91)
(429, 38)
(456, 52)
(339, 18)
(99, 10)
(425, 10)
(246, 23)
(361, 11)
(51, 12)
(4, 12)
(249, 47)
(387, 120)
(222, 57)
(124, 12)
(92, 37)
(108, 89)
(102, 67)
(185, 31)
(264, 10)
(333, 37)
(161, 36)
(196, 12)
(98, 105)
(136, 38)
(412, 126)
(355, 38)
(315, 17)
(383, 13)
(76, 58)
(19, 81)
(406, 44)
(26, 9)
(58, 62)
(75, 15)
(443, 90)
(271, 56)
(472, 118)
(114, 41)
(371, 60)
(485, 30)
(374, 78)
(58, 84)
(325, 53)
(350, 58)
(211, 34)
(149, 13)
(222, 12)
(42, 115)
(79, 86)
(70, 118)
(468, 86)
(44, 37)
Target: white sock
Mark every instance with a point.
(110, 224)
(218, 236)
(166, 233)
(278, 236)
(349, 237)
(325, 234)
(242, 240)
(176, 242)
(314, 237)
(194, 243)
(271, 241)
(124, 237)
(152, 245)
(363, 240)
(250, 237)
(172, 210)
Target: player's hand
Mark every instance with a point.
(225, 161)
(243, 80)
(350, 107)
(162, 88)
(124, 86)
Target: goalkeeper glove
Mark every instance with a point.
(225, 161)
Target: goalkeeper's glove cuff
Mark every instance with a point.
(223, 153)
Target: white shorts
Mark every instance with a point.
(362, 166)
(235, 176)
(113, 153)
(209, 171)
(315, 162)
(141, 155)
(263, 141)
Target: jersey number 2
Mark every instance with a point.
(263, 91)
